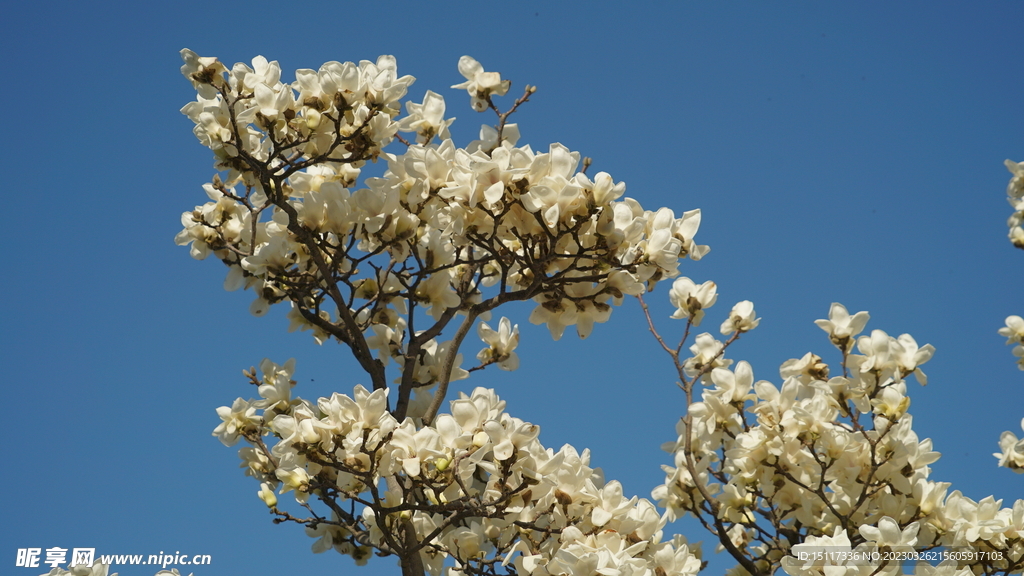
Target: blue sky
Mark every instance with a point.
(839, 152)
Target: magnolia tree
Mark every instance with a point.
(821, 474)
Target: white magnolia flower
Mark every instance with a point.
(246, 79)
(741, 319)
(436, 292)
(1012, 455)
(1018, 351)
(909, 357)
(603, 190)
(841, 326)
(733, 386)
(686, 229)
(501, 344)
(888, 533)
(707, 355)
(276, 387)
(480, 84)
(892, 402)
(557, 314)
(200, 70)
(878, 351)
(1015, 189)
(237, 420)
(426, 119)
(691, 299)
(293, 476)
(808, 368)
(1014, 330)
(1017, 236)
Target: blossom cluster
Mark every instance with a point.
(476, 483)
(384, 268)
(443, 222)
(822, 459)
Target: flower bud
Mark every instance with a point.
(266, 494)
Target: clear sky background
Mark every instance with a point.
(846, 152)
